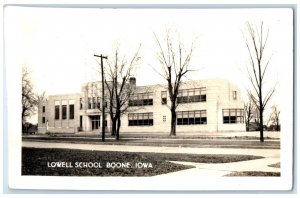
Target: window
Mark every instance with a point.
(71, 111)
(90, 103)
(140, 119)
(81, 103)
(234, 95)
(95, 120)
(44, 120)
(141, 99)
(44, 109)
(191, 95)
(64, 112)
(191, 117)
(56, 112)
(164, 97)
(164, 118)
(233, 116)
(98, 102)
(94, 104)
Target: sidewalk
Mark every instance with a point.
(271, 156)
(186, 134)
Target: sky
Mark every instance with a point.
(58, 44)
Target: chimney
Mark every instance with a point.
(132, 81)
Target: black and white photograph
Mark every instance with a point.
(121, 98)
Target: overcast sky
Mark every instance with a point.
(58, 44)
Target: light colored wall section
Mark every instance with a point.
(42, 126)
(60, 125)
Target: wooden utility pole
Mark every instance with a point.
(103, 101)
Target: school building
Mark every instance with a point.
(212, 105)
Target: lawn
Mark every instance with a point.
(37, 161)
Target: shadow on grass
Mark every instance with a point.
(254, 174)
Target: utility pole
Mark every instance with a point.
(103, 101)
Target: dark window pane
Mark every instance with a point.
(185, 99)
(81, 103)
(203, 120)
(179, 121)
(57, 112)
(150, 102)
(232, 119)
(151, 122)
(44, 109)
(179, 100)
(64, 112)
(44, 120)
(71, 113)
(140, 122)
(185, 121)
(226, 119)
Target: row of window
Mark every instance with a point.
(140, 119)
(64, 112)
(183, 117)
(187, 95)
(141, 99)
(93, 103)
(144, 99)
(192, 95)
(233, 116)
(191, 117)
(187, 117)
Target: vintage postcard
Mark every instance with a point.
(149, 99)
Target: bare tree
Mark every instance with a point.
(274, 117)
(175, 61)
(249, 112)
(120, 69)
(29, 98)
(41, 97)
(256, 42)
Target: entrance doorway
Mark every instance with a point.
(95, 122)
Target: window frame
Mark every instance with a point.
(190, 117)
(141, 99)
(64, 112)
(71, 111)
(140, 119)
(57, 112)
(233, 116)
(191, 95)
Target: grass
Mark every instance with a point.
(254, 174)
(35, 162)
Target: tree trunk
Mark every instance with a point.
(247, 124)
(261, 125)
(173, 122)
(118, 128)
(113, 127)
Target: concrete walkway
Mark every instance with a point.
(271, 156)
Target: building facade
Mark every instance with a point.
(212, 105)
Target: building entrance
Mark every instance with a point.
(95, 122)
